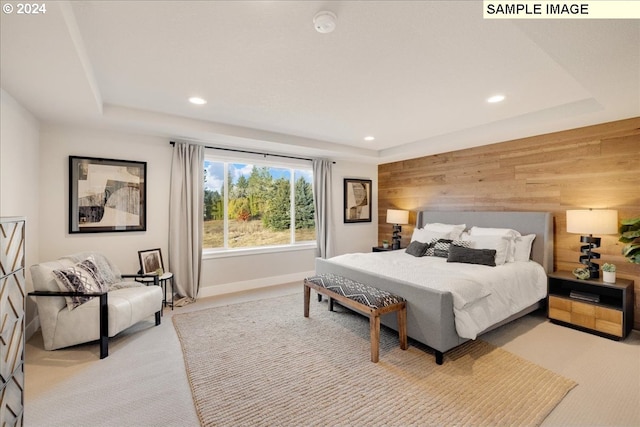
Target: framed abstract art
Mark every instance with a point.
(107, 195)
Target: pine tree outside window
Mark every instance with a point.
(252, 205)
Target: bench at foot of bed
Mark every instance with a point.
(365, 299)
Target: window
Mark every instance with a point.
(252, 205)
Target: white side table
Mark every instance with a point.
(165, 278)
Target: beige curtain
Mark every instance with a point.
(186, 196)
(323, 210)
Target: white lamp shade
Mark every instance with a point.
(592, 221)
(395, 216)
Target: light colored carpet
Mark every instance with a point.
(263, 363)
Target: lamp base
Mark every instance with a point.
(588, 255)
(594, 270)
(396, 236)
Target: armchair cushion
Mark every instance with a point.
(82, 277)
(107, 271)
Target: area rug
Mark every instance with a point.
(263, 363)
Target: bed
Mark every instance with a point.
(435, 313)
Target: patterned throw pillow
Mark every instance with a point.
(82, 277)
(440, 247)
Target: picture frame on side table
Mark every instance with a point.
(151, 261)
(357, 200)
(107, 195)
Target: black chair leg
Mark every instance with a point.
(104, 326)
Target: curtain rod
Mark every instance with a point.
(253, 152)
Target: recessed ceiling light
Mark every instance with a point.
(495, 98)
(196, 100)
(369, 138)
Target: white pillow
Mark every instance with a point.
(523, 247)
(426, 236)
(508, 232)
(454, 230)
(485, 231)
(499, 243)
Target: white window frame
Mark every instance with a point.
(257, 160)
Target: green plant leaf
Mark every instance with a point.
(631, 250)
(630, 235)
(631, 221)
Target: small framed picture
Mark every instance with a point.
(151, 261)
(357, 200)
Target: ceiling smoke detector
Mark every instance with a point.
(325, 22)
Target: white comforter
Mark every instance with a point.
(482, 296)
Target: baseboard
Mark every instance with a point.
(248, 285)
(31, 327)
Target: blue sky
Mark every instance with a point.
(214, 173)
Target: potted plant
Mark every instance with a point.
(630, 234)
(385, 244)
(609, 272)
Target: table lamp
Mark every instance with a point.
(589, 222)
(397, 217)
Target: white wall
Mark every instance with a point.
(19, 190)
(60, 142)
(220, 275)
(354, 237)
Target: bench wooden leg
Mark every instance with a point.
(402, 327)
(307, 297)
(374, 326)
(373, 313)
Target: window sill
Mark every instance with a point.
(226, 253)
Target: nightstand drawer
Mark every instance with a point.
(584, 309)
(609, 321)
(559, 309)
(554, 313)
(609, 314)
(560, 303)
(609, 327)
(584, 320)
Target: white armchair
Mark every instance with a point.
(68, 317)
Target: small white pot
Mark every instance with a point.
(609, 276)
(385, 245)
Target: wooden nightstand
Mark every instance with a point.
(591, 305)
(381, 249)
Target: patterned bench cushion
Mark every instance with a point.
(364, 294)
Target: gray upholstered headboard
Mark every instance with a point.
(538, 223)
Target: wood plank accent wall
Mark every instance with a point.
(591, 167)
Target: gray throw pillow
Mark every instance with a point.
(472, 256)
(417, 249)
